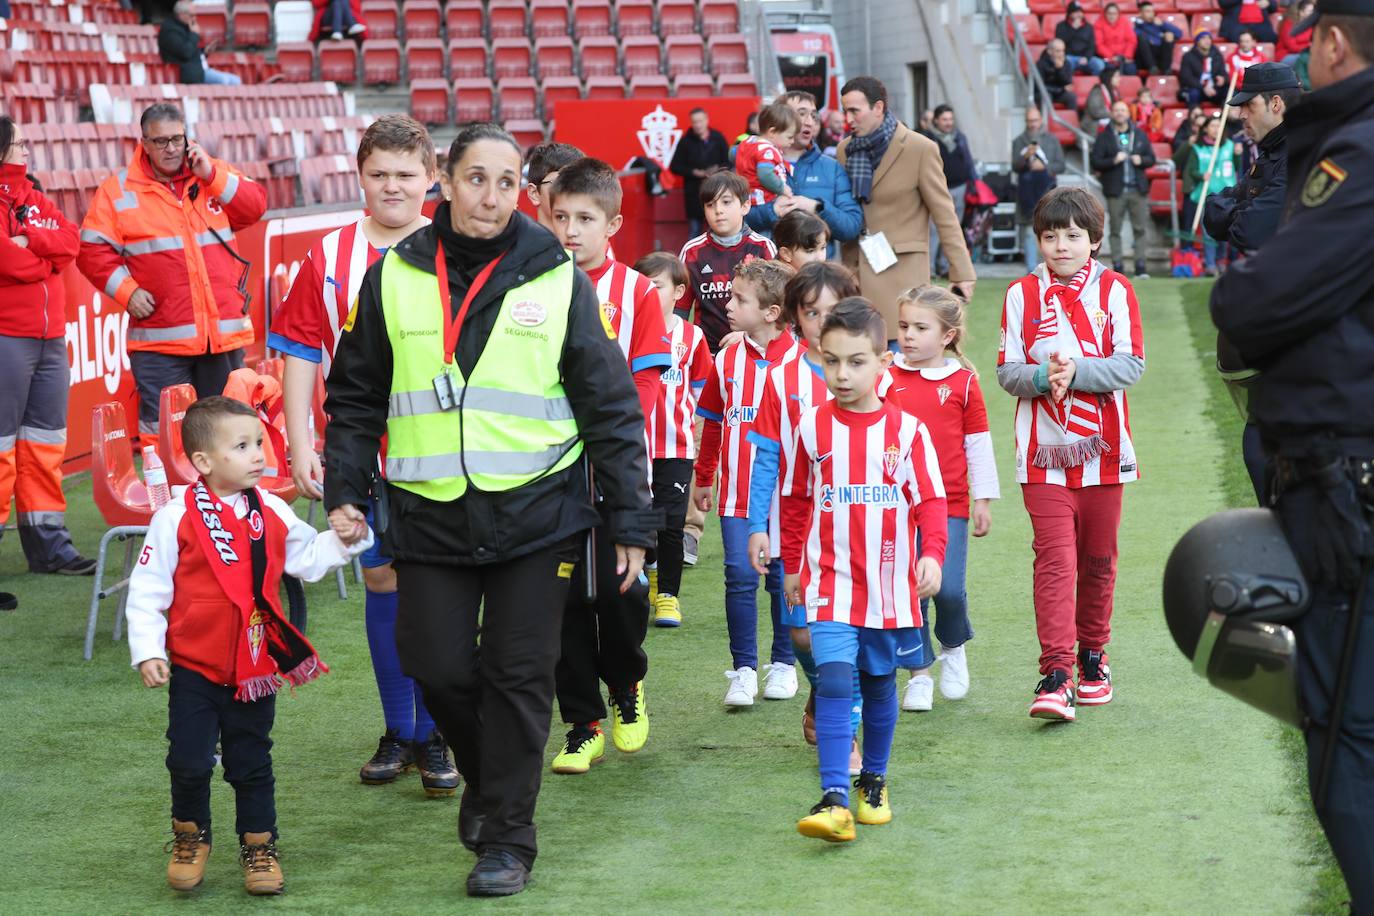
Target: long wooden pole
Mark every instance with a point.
(1216, 146)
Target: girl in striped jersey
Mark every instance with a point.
(730, 402)
(1071, 346)
(943, 393)
(870, 549)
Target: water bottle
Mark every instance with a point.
(155, 478)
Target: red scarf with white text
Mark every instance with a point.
(1076, 436)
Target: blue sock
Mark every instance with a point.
(834, 733)
(856, 711)
(880, 720)
(807, 662)
(396, 690)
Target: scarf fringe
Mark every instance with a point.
(306, 671)
(255, 688)
(1070, 454)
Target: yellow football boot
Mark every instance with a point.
(629, 719)
(830, 820)
(873, 806)
(584, 746)
(667, 611)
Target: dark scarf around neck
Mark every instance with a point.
(466, 253)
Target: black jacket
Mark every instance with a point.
(1054, 77)
(482, 527)
(958, 164)
(177, 44)
(1247, 213)
(1114, 174)
(1302, 311)
(695, 153)
(1190, 70)
(1079, 42)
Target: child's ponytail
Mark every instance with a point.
(949, 309)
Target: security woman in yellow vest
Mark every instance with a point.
(480, 351)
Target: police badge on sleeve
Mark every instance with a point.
(1321, 183)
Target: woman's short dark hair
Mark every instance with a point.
(7, 133)
(475, 132)
(856, 315)
(1063, 207)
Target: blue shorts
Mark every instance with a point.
(794, 617)
(373, 557)
(871, 651)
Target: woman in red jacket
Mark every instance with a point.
(1116, 39)
(36, 244)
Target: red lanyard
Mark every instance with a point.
(454, 327)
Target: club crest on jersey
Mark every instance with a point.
(528, 314)
(255, 634)
(885, 496)
(736, 416)
(679, 352)
(891, 455)
(943, 393)
(609, 309)
(1099, 319)
(255, 525)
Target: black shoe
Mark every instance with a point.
(81, 566)
(497, 874)
(437, 773)
(8, 602)
(393, 758)
(1140, 272)
(470, 818)
(1118, 267)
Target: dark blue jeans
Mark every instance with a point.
(952, 627)
(742, 603)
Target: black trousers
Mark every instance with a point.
(492, 699)
(201, 713)
(155, 371)
(672, 488)
(602, 642)
(1348, 818)
(1151, 59)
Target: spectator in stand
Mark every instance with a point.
(1121, 155)
(1188, 133)
(957, 161)
(1116, 39)
(1057, 74)
(1223, 176)
(1147, 114)
(834, 132)
(1097, 109)
(36, 244)
(4, 14)
(1154, 47)
(158, 239)
(1239, 15)
(1080, 42)
(338, 18)
(178, 43)
(1245, 55)
(1291, 46)
(1202, 73)
(701, 152)
(1036, 158)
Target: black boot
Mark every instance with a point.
(437, 773)
(470, 818)
(8, 602)
(393, 758)
(497, 874)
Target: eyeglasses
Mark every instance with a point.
(176, 141)
(22, 144)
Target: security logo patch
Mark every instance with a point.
(1321, 183)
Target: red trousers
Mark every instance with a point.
(1075, 568)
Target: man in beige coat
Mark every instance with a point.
(899, 179)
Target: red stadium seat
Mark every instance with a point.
(735, 84)
(511, 57)
(1180, 48)
(654, 86)
(519, 99)
(1164, 89)
(1211, 21)
(467, 58)
(339, 61)
(381, 61)
(252, 25)
(557, 89)
(605, 87)
(526, 132)
(1129, 88)
(677, 17)
(1063, 134)
(1267, 49)
(115, 487)
(556, 56)
(1035, 51)
(465, 18)
(641, 54)
(1164, 165)
(600, 57)
(591, 18)
(507, 19)
(686, 54)
(429, 101)
(729, 54)
(1196, 6)
(425, 58)
(1041, 7)
(1177, 19)
(212, 23)
(1048, 22)
(1174, 119)
(422, 19)
(1159, 195)
(171, 410)
(381, 19)
(1028, 24)
(1082, 85)
(694, 86)
(719, 18)
(634, 17)
(473, 100)
(297, 61)
(548, 18)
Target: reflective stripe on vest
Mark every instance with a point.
(513, 422)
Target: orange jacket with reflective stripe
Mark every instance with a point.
(139, 233)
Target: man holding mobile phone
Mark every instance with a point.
(158, 240)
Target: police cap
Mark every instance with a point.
(1335, 8)
(1267, 77)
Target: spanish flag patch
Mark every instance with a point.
(1321, 183)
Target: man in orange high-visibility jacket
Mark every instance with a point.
(149, 242)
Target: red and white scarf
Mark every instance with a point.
(1074, 436)
(268, 647)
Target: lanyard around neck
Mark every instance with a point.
(452, 328)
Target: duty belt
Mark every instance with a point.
(1289, 473)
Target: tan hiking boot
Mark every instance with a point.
(189, 848)
(261, 870)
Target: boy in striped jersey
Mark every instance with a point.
(396, 167)
(672, 442)
(1071, 346)
(729, 402)
(606, 641)
(850, 548)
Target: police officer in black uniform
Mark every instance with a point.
(1305, 319)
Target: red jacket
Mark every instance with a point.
(322, 6)
(1115, 40)
(32, 297)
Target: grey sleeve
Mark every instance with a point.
(1018, 380)
(1102, 374)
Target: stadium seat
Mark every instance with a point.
(719, 18)
(473, 100)
(1164, 165)
(1211, 21)
(737, 84)
(511, 57)
(1174, 119)
(1082, 85)
(1128, 88)
(1063, 134)
(591, 18)
(526, 132)
(641, 55)
(429, 101)
(600, 57)
(1164, 89)
(339, 61)
(686, 54)
(422, 19)
(548, 18)
(297, 61)
(556, 56)
(465, 19)
(557, 89)
(171, 410)
(677, 17)
(467, 58)
(655, 85)
(694, 86)
(605, 87)
(1041, 7)
(381, 19)
(1180, 48)
(1028, 24)
(329, 179)
(729, 54)
(507, 19)
(634, 17)
(519, 98)
(212, 23)
(425, 58)
(1267, 49)
(381, 61)
(1177, 19)
(1160, 204)
(252, 25)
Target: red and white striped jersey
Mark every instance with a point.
(670, 425)
(629, 300)
(1110, 304)
(731, 397)
(867, 473)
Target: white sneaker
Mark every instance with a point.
(744, 686)
(953, 674)
(780, 683)
(336, 36)
(919, 695)
(690, 546)
(356, 28)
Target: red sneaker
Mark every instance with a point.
(1054, 697)
(1094, 678)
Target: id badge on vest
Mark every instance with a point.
(443, 387)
